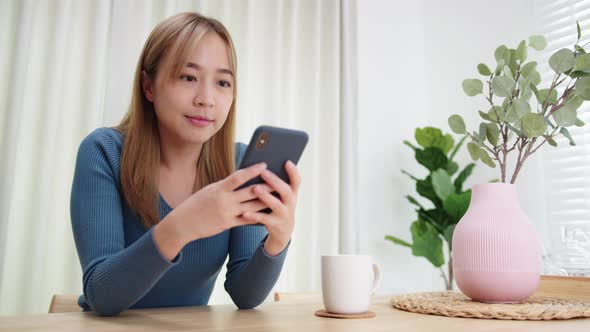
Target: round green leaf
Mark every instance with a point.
(457, 124)
(503, 86)
(486, 159)
(528, 68)
(562, 60)
(565, 116)
(545, 95)
(496, 114)
(484, 70)
(583, 87)
(492, 133)
(472, 87)
(537, 42)
(582, 63)
(473, 150)
(500, 54)
(521, 108)
(533, 125)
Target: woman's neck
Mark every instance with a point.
(177, 156)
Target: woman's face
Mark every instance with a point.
(191, 108)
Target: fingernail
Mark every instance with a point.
(262, 165)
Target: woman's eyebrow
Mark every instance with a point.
(219, 70)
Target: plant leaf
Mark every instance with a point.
(562, 60)
(472, 87)
(473, 150)
(528, 68)
(551, 141)
(544, 95)
(485, 157)
(457, 204)
(579, 31)
(521, 51)
(457, 124)
(496, 114)
(582, 63)
(431, 158)
(500, 54)
(537, 42)
(521, 108)
(503, 86)
(441, 182)
(484, 70)
(462, 177)
(414, 201)
(565, 116)
(457, 147)
(492, 133)
(424, 188)
(427, 243)
(533, 125)
(482, 132)
(452, 167)
(582, 87)
(567, 135)
(397, 240)
(433, 137)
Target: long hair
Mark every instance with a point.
(175, 36)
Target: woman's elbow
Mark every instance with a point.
(105, 310)
(246, 302)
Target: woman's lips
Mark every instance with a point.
(199, 121)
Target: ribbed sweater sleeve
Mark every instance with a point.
(251, 272)
(114, 277)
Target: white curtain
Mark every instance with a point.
(66, 67)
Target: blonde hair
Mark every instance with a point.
(175, 37)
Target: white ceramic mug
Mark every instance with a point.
(348, 281)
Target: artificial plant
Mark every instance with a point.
(435, 224)
(515, 122)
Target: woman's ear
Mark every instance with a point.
(147, 85)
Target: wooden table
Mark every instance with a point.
(278, 316)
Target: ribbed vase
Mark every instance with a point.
(496, 252)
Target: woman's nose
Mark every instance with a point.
(204, 96)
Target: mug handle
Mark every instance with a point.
(376, 278)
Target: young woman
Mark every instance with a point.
(154, 208)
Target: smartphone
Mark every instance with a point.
(274, 146)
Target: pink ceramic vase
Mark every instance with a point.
(496, 253)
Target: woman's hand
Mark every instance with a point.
(210, 211)
(281, 221)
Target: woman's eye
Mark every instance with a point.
(188, 78)
(224, 84)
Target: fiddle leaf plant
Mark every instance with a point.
(434, 226)
(515, 122)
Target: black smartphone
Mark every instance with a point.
(274, 146)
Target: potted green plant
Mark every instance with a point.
(496, 250)
(434, 225)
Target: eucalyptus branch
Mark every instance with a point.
(534, 125)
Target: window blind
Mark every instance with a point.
(566, 168)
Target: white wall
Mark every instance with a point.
(413, 56)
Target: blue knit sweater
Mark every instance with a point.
(122, 267)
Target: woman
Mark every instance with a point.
(154, 208)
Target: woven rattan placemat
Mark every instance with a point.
(455, 304)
